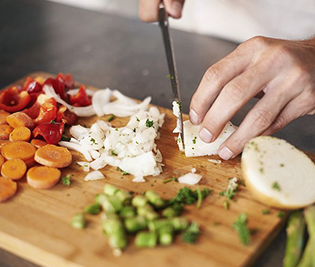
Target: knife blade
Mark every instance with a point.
(170, 57)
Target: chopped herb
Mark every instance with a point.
(199, 198)
(179, 106)
(66, 180)
(280, 214)
(169, 76)
(84, 125)
(226, 205)
(110, 118)
(242, 182)
(281, 165)
(191, 233)
(134, 130)
(92, 141)
(149, 123)
(114, 153)
(116, 129)
(276, 186)
(173, 179)
(122, 171)
(187, 196)
(265, 212)
(194, 140)
(261, 170)
(240, 226)
(137, 119)
(52, 122)
(65, 138)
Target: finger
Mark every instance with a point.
(148, 10)
(214, 79)
(232, 97)
(174, 7)
(256, 122)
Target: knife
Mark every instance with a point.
(164, 25)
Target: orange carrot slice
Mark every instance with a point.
(5, 131)
(8, 189)
(13, 169)
(38, 143)
(19, 119)
(3, 142)
(3, 116)
(20, 134)
(19, 150)
(2, 160)
(43, 177)
(53, 156)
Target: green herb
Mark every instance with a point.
(242, 182)
(240, 226)
(173, 179)
(188, 196)
(92, 141)
(191, 233)
(265, 212)
(94, 208)
(179, 106)
(52, 122)
(110, 118)
(66, 180)
(276, 186)
(116, 129)
(226, 205)
(194, 140)
(122, 171)
(149, 123)
(65, 138)
(199, 198)
(169, 76)
(113, 153)
(280, 214)
(281, 165)
(137, 119)
(134, 130)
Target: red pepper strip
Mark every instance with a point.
(11, 100)
(66, 79)
(47, 113)
(81, 99)
(51, 132)
(58, 86)
(66, 116)
(31, 86)
(33, 111)
(34, 97)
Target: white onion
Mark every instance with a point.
(217, 161)
(100, 99)
(138, 179)
(190, 178)
(76, 147)
(77, 130)
(95, 175)
(89, 92)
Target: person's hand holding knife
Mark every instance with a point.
(282, 70)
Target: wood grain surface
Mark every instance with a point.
(35, 224)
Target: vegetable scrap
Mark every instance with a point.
(240, 226)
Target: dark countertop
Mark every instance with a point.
(111, 51)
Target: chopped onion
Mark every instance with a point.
(95, 175)
(138, 179)
(85, 165)
(100, 99)
(217, 161)
(76, 147)
(75, 91)
(193, 170)
(190, 178)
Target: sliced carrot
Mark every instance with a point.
(3, 116)
(2, 160)
(3, 142)
(19, 119)
(8, 189)
(53, 156)
(38, 143)
(20, 134)
(43, 177)
(5, 131)
(13, 169)
(19, 150)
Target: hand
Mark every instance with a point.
(148, 9)
(283, 70)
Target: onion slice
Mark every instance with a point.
(277, 173)
(95, 175)
(190, 178)
(78, 148)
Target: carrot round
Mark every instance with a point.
(43, 177)
(19, 119)
(2, 160)
(19, 150)
(3, 117)
(20, 134)
(8, 189)
(53, 156)
(38, 143)
(5, 131)
(3, 142)
(13, 169)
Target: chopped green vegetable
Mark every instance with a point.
(146, 239)
(149, 123)
(122, 171)
(78, 221)
(194, 140)
(276, 186)
(226, 205)
(136, 224)
(166, 235)
(173, 179)
(154, 199)
(52, 122)
(110, 190)
(191, 234)
(280, 214)
(240, 226)
(94, 208)
(266, 211)
(65, 138)
(66, 180)
(110, 118)
(128, 212)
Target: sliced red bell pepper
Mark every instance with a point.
(51, 132)
(66, 116)
(66, 79)
(12, 100)
(81, 99)
(31, 86)
(58, 86)
(47, 113)
(33, 111)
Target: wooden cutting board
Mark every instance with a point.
(35, 224)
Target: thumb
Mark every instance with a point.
(174, 7)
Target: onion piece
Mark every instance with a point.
(100, 99)
(138, 179)
(95, 175)
(76, 147)
(79, 111)
(277, 173)
(85, 165)
(77, 130)
(216, 161)
(190, 178)
(195, 147)
(89, 92)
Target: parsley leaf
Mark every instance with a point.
(149, 123)
(191, 233)
(66, 180)
(110, 118)
(240, 225)
(276, 186)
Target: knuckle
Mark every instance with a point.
(254, 42)
(261, 119)
(233, 91)
(236, 143)
(278, 124)
(213, 74)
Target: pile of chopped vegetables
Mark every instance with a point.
(150, 218)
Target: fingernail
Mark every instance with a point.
(193, 117)
(225, 153)
(176, 9)
(205, 135)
